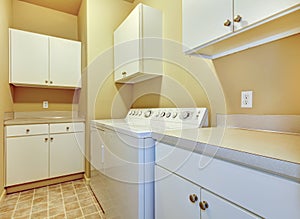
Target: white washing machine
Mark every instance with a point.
(122, 158)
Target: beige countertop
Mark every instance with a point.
(277, 153)
(40, 117)
(27, 121)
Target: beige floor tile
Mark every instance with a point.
(25, 204)
(22, 212)
(93, 216)
(55, 203)
(72, 206)
(68, 193)
(6, 215)
(66, 200)
(70, 199)
(7, 208)
(40, 215)
(40, 200)
(61, 216)
(89, 209)
(74, 214)
(56, 211)
(86, 202)
(39, 207)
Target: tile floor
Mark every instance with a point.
(66, 200)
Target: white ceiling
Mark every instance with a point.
(67, 6)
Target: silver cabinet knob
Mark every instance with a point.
(203, 205)
(227, 23)
(193, 198)
(46, 139)
(124, 73)
(27, 131)
(46, 81)
(51, 82)
(68, 128)
(237, 18)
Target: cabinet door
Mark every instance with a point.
(127, 48)
(220, 208)
(26, 159)
(65, 62)
(172, 196)
(66, 154)
(253, 11)
(203, 21)
(28, 58)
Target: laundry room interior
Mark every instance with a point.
(153, 101)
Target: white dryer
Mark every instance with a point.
(123, 155)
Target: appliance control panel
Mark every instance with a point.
(197, 117)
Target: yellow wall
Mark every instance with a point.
(105, 98)
(42, 20)
(5, 97)
(270, 70)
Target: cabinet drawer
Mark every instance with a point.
(21, 130)
(67, 127)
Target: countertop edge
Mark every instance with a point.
(41, 121)
(269, 165)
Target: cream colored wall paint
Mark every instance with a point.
(5, 97)
(42, 20)
(104, 95)
(270, 70)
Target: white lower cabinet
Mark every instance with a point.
(33, 153)
(176, 197)
(224, 189)
(66, 154)
(26, 159)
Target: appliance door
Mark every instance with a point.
(118, 175)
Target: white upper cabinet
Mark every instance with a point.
(203, 21)
(65, 62)
(138, 46)
(209, 23)
(40, 60)
(28, 58)
(252, 11)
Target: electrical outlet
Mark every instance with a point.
(45, 104)
(246, 99)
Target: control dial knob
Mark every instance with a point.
(168, 114)
(162, 114)
(185, 115)
(148, 113)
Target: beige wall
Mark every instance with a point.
(5, 97)
(270, 70)
(42, 20)
(105, 98)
